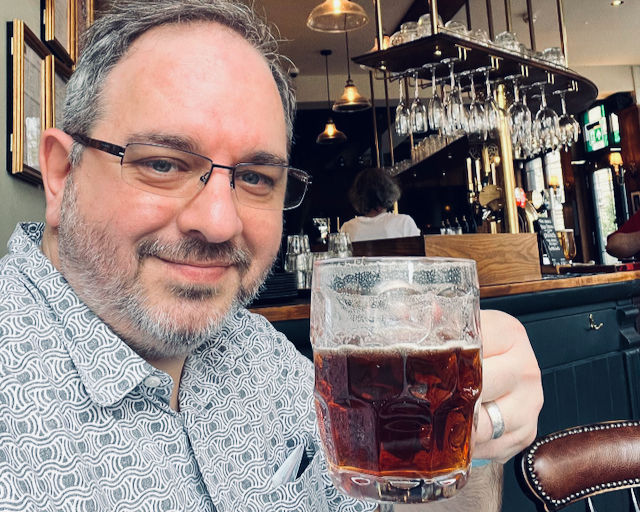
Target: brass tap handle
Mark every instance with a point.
(592, 325)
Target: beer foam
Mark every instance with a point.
(398, 348)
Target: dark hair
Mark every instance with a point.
(372, 189)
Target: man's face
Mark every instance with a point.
(162, 271)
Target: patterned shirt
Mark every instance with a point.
(85, 423)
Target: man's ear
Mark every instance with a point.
(55, 146)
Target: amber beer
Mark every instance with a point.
(404, 411)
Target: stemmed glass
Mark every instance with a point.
(568, 127)
(545, 126)
(436, 109)
(519, 117)
(533, 148)
(476, 115)
(403, 117)
(454, 107)
(418, 113)
(491, 109)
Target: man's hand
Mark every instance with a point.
(511, 378)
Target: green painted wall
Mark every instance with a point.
(19, 201)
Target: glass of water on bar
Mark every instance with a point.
(398, 374)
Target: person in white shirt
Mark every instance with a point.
(372, 194)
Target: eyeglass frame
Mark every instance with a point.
(114, 149)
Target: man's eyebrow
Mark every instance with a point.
(188, 144)
(264, 157)
(171, 141)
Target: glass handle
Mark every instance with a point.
(592, 325)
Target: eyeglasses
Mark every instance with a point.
(172, 172)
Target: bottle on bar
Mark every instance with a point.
(443, 229)
(473, 226)
(449, 229)
(465, 225)
(457, 227)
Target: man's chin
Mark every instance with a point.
(174, 330)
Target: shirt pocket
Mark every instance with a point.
(312, 491)
(305, 494)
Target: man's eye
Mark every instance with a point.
(254, 178)
(161, 166)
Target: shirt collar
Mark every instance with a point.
(108, 367)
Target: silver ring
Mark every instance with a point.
(496, 417)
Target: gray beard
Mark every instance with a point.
(112, 289)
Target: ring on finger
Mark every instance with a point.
(497, 420)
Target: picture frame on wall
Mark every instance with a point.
(85, 15)
(57, 76)
(635, 201)
(27, 102)
(59, 28)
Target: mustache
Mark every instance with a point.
(192, 249)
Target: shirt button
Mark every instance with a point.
(152, 381)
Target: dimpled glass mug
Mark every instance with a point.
(398, 374)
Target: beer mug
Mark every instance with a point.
(398, 374)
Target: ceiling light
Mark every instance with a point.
(337, 16)
(351, 100)
(330, 135)
(616, 3)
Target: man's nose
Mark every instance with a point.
(212, 212)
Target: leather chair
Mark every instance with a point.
(578, 463)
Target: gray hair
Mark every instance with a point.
(372, 189)
(111, 36)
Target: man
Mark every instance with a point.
(131, 377)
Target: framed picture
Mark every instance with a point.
(85, 12)
(56, 78)
(27, 101)
(635, 201)
(59, 28)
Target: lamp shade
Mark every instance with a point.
(615, 159)
(337, 16)
(351, 100)
(331, 135)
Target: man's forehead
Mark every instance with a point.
(193, 54)
(170, 38)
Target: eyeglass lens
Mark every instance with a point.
(175, 173)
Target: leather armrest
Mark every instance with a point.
(576, 463)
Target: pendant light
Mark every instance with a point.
(351, 100)
(337, 16)
(330, 135)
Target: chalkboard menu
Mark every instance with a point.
(551, 242)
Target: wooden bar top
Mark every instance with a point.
(300, 309)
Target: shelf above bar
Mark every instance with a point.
(475, 55)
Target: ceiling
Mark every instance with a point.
(598, 34)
